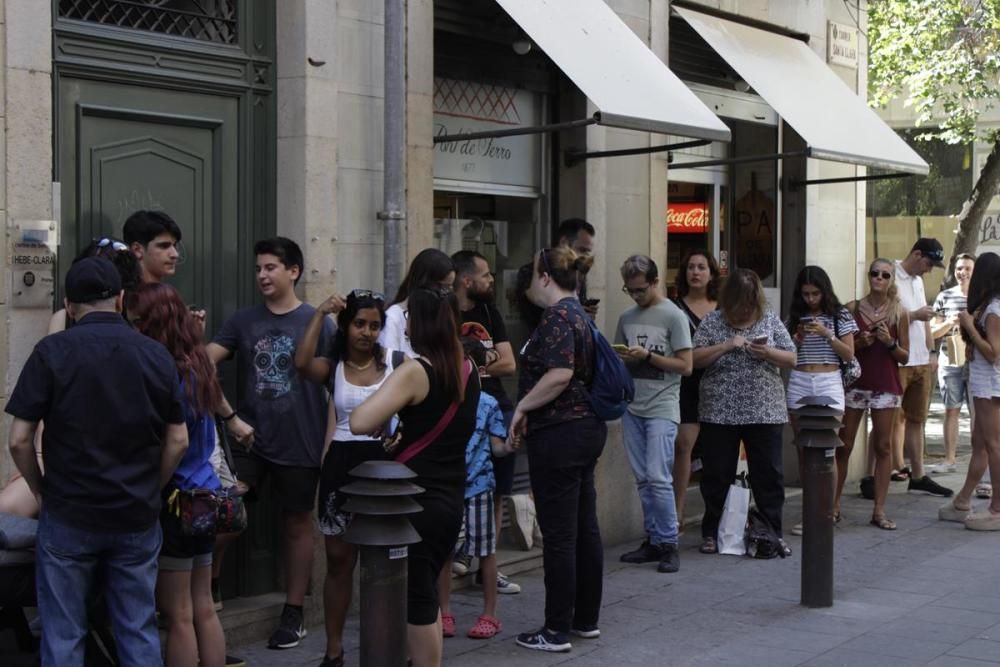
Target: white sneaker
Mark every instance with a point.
(506, 587)
(951, 513)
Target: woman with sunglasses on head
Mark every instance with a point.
(358, 368)
(697, 295)
(980, 324)
(15, 497)
(436, 397)
(881, 345)
(430, 268)
(564, 438)
(184, 583)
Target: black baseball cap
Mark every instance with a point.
(92, 279)
(931, 249)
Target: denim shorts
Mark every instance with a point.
(953, 381)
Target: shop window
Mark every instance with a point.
(751, 234)
(204, 20)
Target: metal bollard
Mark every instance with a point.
(819, 423)
(379, 500)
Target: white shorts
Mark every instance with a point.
(863, 399)
(802, 384)
(984, 381)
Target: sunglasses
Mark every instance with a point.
(884, 275)
(117, 246)
(366, 294)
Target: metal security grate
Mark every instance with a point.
(481, 101)
(205, 20)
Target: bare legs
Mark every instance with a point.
(951, 416)
(424, 644)
(193, 630)
(298, 555)
(687, 436)
(880, 443)
(338, 584)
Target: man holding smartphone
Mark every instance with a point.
(654, 339)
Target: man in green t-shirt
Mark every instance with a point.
(654, 340)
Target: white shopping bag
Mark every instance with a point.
(732, 527)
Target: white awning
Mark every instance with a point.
(835, 123)
(629, 85)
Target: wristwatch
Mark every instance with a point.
(649, 355)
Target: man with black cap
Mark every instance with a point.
(114, 433)
(917, 376)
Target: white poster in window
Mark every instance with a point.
(463, 107)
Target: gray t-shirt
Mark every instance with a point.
(287, 412)
(663, 329)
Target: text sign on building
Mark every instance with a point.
(989, 233)
(462, 107)
(842, 45)
(687, 218)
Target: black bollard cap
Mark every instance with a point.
(380, 531)
(382, 505)
(382, 470)
(372, 487)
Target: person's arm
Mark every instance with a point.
(21, 442)
(548, 388)
(988, 346)
(239, 429)
(504, 364)
(922, 314)
(680, 362)
(928, 337)
(217, 353)
(313, 368)
(175, 443)
(331, 426)
(899, 347)
(393, 336)
(57, 322)
(407, 385)
(780, 358)
(702, 357)
(942, 326)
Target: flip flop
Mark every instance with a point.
(486, 627)
(883, 522)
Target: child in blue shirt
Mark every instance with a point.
(480, 530)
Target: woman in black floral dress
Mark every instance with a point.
(742, 346)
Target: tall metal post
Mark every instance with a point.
(393, 213)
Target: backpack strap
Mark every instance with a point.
(398, 357)
(422, 443)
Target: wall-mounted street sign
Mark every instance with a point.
(842, 45)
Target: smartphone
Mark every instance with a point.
(759, 340)
(618, 347)
(591, 302)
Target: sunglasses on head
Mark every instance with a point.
(117, 246)
(366, 294)
(884, 275)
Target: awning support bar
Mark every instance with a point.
(515, 132)
(737, 160)
(574, 157)
(850, 179)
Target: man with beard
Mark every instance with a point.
(474, 289)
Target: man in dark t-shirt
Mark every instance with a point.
(474, 289)
(286, 412)
(114, 433)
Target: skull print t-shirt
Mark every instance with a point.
(287, 412)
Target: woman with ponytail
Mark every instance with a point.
(564, 440)
(184, 584)
(436, 400)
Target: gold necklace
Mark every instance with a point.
(359, 367)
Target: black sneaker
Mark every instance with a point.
(646, 553)
(868, 488)
(233, 661)
(927, 485)
(290, 630)
(670, 559)
(544, 640)
(586, 631)
(333, 662)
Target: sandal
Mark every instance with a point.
(883, 522)
(836, 517)
(447, 625)
(708, 546)
(900, 475)
(984, 490)
(485, 627)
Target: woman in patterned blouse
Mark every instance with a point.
(742, 346)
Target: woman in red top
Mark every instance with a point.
(881, 346)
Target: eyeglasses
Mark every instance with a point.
(884, 275)
(637, 291)
(366, 294)
(117, 246)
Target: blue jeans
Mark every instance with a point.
(649, 443)
(68, 561)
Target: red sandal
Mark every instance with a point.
(447, 625)
(485, 627)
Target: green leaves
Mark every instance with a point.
(942, 56)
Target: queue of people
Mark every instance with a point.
(418, 381)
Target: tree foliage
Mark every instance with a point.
(941, 56)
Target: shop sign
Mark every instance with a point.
(687, 218)
(989, 233)
(462, 107)
(32, 256)
(842, 45)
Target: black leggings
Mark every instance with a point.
(438, 525)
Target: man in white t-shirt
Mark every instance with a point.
(917, 376)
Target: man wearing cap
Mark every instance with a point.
(114, 433)
(917, 376)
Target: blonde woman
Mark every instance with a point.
(881, 345)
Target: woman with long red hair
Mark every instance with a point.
(184, 584)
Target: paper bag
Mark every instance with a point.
(732, 527)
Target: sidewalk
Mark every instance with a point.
(922, 595)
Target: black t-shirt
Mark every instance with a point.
(106, 394)
(441, 465)
(491, 319)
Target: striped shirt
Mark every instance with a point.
(814, 349)
(950, 302)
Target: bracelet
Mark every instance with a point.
(229, 417)
(893, 346)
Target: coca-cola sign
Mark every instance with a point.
(687, 218)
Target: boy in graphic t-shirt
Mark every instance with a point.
(287, 413)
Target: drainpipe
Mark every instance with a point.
(393, 215)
